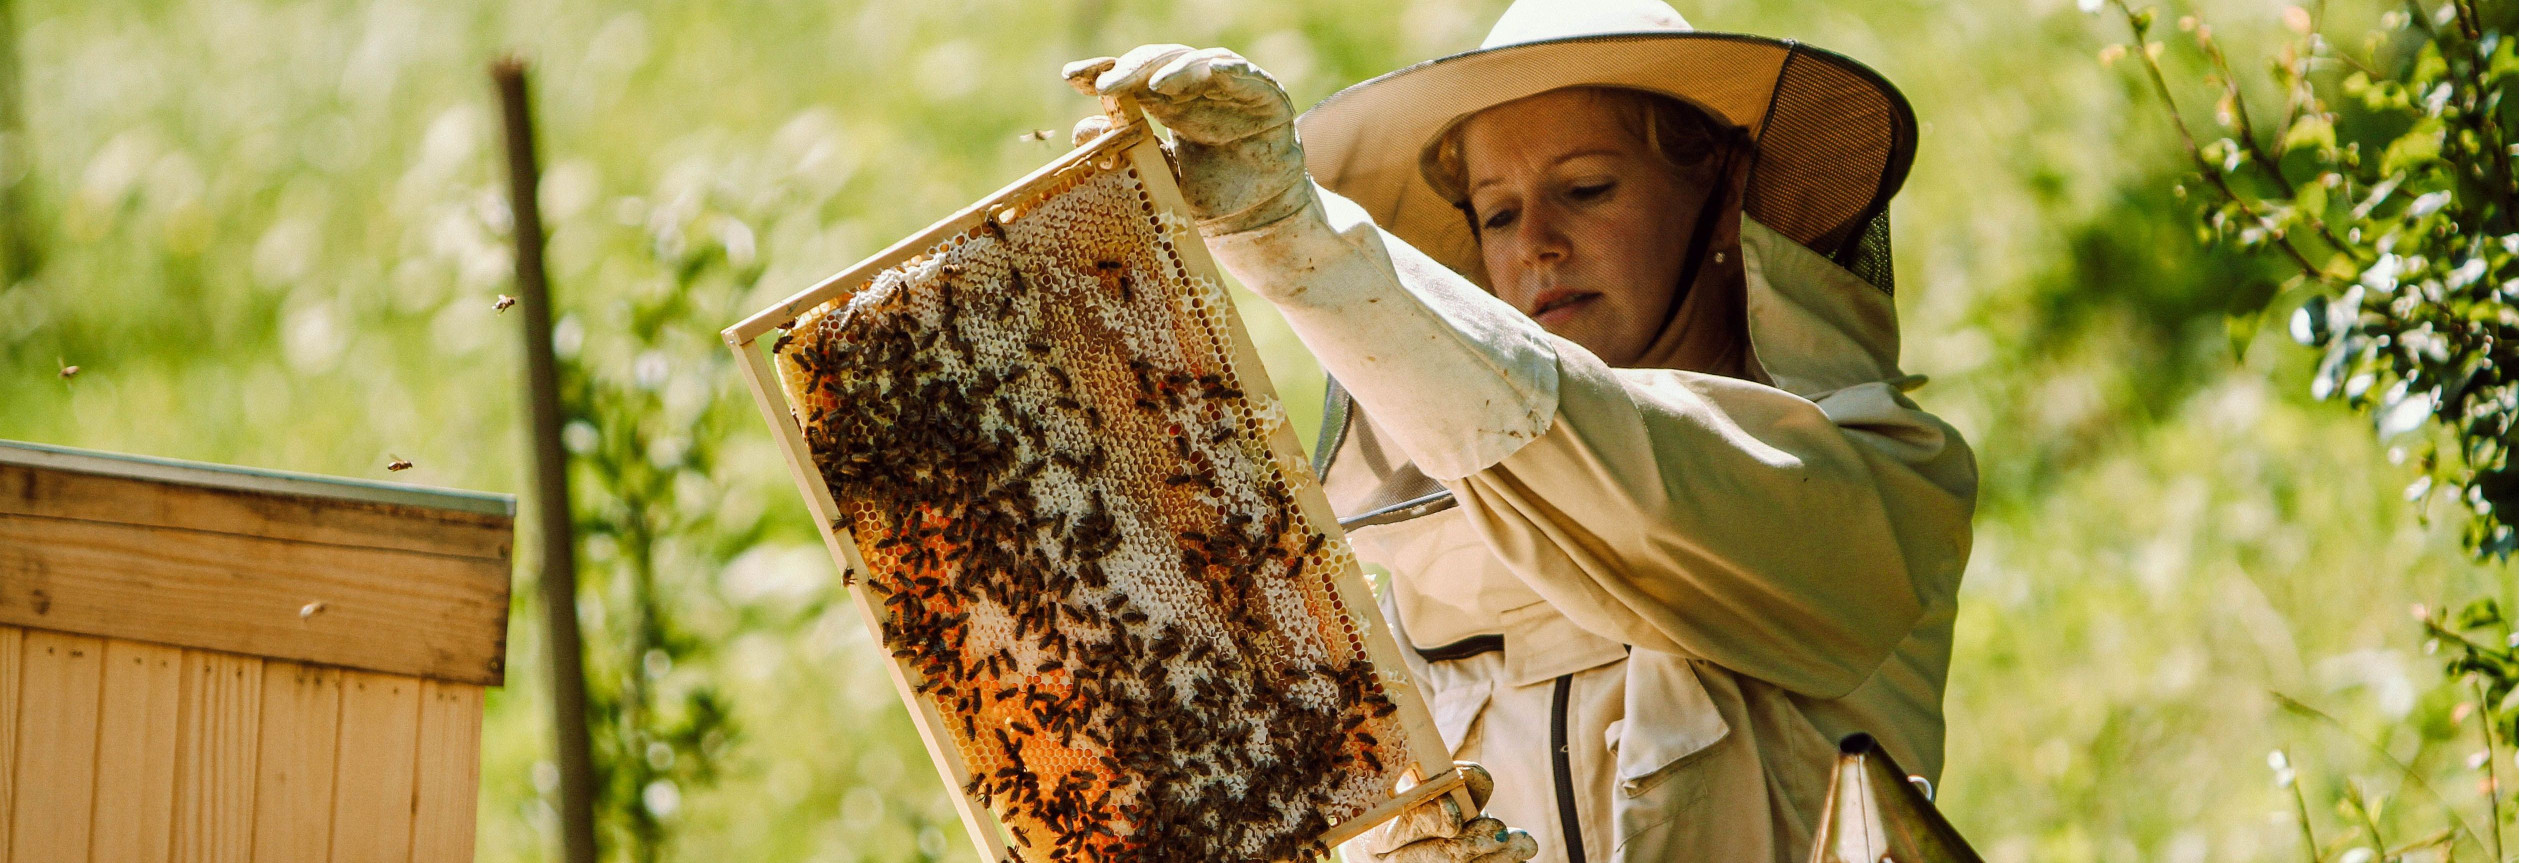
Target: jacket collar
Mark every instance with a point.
(1815, 327)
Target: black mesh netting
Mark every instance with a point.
(1833, 143)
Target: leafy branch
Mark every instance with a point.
(2412, 278)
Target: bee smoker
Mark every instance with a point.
(1874, 814)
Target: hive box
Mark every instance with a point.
(205, 663)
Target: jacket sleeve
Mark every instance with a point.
(1785, 539)
(1793, 540)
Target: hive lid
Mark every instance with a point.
(236, 478)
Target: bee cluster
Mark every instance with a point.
(1084, 545)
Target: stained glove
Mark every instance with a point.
(1462, 379)
(1435, 831)
(1233, 129)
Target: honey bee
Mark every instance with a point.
(67, 371)
(502, 305)
(397, 463)
(1035, 135)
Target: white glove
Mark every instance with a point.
(1435, 832)
(1233, 129)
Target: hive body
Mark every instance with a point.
(1097, 552)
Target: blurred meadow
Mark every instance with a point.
(271, 233)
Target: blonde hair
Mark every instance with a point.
(1686, 136)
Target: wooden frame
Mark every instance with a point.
(1133, 142)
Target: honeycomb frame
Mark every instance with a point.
(914, 264)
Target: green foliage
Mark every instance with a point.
(2485, 660)
(2409, 264)
(276, 242)
(644, 423)
(2410, 260)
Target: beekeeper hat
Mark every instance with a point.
(1832, 139)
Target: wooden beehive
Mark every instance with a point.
(205, 663)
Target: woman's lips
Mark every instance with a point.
(1557, 307)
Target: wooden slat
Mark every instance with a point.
(1123, 135)
(135, 752)
(56, 747)
(373, 772)
(35, 491)
(293, 776)
(393, 611)
(12, 642)
(217, 738)
(449, 773)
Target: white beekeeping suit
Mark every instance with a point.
(1648, 600)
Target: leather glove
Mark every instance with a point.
(1435, 831)
(1233, 129)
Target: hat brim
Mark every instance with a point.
(1834, 139)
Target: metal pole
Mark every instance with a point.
(551, 478)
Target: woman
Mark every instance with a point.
(1661, 522)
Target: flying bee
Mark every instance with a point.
(396, 463)
(502, 305)
(1034, 135)
(67, 371)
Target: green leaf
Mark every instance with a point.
(2239, 330)
(2311, 200)
(2421, 144)
(2251, 298)
(2312, 131)
(2480, 612)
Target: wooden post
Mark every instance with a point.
(551, 478)
(21, 251)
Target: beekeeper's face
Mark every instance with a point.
(1582, 225)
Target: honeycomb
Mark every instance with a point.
(1064, 492)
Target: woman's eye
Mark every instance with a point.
(1497, 220)
(1590, 191)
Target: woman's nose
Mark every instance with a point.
(1540, 237)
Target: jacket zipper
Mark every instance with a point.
(1563, 770)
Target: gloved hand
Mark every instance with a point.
(1475, 379)
(1435, 832)
(1233, 129)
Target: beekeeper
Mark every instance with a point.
(1611, 301)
